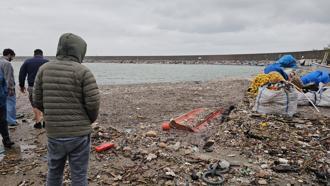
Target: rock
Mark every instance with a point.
(283, 161)
(262, 182)
(242, 180)
(194, 176)
(224, 164)
(188, 151)
(151, 133)
(169, 172)
(204, 157)
(151, 157)
(162, 145)
(118, 178)
(263, 174)
(300, 121)
(264, 166)
(95, 126)
(169, 183)
(195, 149)
(176, 146)
(144, 152)
(127, 149)
(208, 144)
(309, 123)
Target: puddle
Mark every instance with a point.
(23, 151)
(27, 151)
(26, 147)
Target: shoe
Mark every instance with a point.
(20, 115)
(37, 125)
(7, 143)
(13, 124)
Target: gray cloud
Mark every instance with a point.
(173, 27)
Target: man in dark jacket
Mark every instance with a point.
(67, 93)
(30, 68)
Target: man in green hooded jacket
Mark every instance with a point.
(67, 93)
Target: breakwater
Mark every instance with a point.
(227, 59)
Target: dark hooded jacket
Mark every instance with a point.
(66, 91)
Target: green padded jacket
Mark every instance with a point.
(66, 91)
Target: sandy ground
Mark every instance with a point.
(131, 117)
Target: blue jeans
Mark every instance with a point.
(11, 109)
(77, 150)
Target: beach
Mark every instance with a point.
(131, 117)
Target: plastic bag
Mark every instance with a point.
(303, 101)
(323, 97)
(280, 102)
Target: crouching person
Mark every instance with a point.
(67, 93)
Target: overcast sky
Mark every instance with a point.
(166, 27)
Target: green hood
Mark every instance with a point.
(71, 47)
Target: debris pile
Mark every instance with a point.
(263, 149)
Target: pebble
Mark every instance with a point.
(168, 183)
(162, 145)
(283, 161)
(264, 166)
(127, 149)
(151, 133)
(194, 176)
(117, 178)
(188, 151)
(309, 123)
(262, 174)
(169, 172)
(176, 146)
(151, 157)
(262, 182)
(224, 164)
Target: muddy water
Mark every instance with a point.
(22, 151)
(113, 73)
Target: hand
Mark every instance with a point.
(23, 89)
(11, 92)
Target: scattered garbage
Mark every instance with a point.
(262, 149)
(104, 147)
